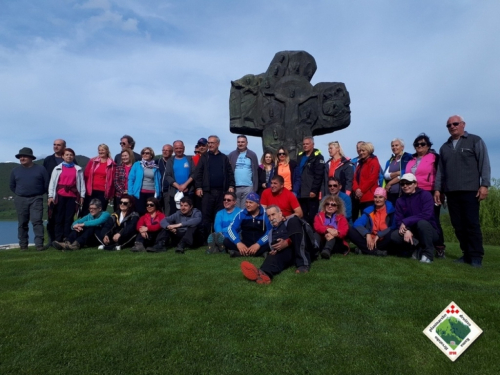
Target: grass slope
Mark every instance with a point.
(95, 312)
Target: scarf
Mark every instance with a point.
(148, 164)
(68, 165)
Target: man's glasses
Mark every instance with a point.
(331, 204)
(150, 205)
(453, 123)
(124, 203)
(335, 185)
(122, 143)
(419, 144)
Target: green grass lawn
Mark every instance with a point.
(97, 312)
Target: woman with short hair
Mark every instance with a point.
(365, 178)
(394, 169)
(67, 193)
(148, 226)
(99, 174)
(331, 227)
(144, 180)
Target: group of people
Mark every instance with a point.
(237, 205)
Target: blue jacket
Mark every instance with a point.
(135, 180)
(410, 209)
(223, 220)
(405, 158)
(91, 221)
(249, 230)
(364, 223)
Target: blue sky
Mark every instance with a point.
(91, 71)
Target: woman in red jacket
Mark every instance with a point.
(365, 178)
(331, 227)
(148, 226)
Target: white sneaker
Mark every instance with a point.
(118, 248)
(424, 259)
(101, 247)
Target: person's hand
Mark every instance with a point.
(50, 201)
(371, 241)
(105, 240)
(144, 235)
(408, 237)
(143, 229)
(242, 248)
(312, 195)
(253, 249)
(231, 190)
(334, 232)
(358, 193)
(279, 245)
(402, 229)
(116, 237)
(482, 193)
(329, 236)
(437, 198)
(199, 193)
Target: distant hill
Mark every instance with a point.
(7, 210)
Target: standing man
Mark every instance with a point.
(201, 147)
(309, 179)
(463, 175)
(166, 154)
(29, 182)
(213, 177)
(178, 177)
(245, 166)
(126, 142)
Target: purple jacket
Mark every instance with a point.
(410, 209)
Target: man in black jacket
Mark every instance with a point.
(309, 178)
(213, 177)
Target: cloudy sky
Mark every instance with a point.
(90, 71)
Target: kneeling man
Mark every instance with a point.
(287, 248)
(415, 219)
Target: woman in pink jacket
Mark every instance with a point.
(424, 167)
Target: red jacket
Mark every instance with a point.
(366, 178)
(92, 165)
(342, 226)
(152, 224)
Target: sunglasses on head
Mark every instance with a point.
(125, 203)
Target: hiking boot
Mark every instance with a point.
(424, 259)
(138, 247)
(180, 248)
(381, 253)
(253, 273)
(40, 248)
(74, 246)
(477, 263)
(325, 254)
(460, 260)
(302, 269)
(357, 251)
(159, 247)
(440, 251)
(59, 245)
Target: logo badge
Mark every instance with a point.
(452, 331)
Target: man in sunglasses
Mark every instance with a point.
(334, 188)
(416, 225)
(126, 142)
(463, 175)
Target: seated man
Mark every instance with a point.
(248, 231)
(371, 232)
(182, 228)
(334, 188)
(280, 196)
(86, 230)
(223, 219)
(415, 219)
(287, 244)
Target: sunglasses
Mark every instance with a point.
(227, 200)
(124, 203)
(281, 153)
(419, 144)
(331, 204)
(150, 205)
(333, 185)
(405, 183)
(122, 143)
(452, 123)
(146, 153)
(92, 208)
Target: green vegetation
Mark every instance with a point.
(452, 330)
(98, 312)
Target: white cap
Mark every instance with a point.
(177, 198)
(409, 177)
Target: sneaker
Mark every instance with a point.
(101, 247)
(424, 259)
(74, 246)
(302, 269)
(138, 247)
(253, 273)
(477, 263)
(381, 253)
(118, 248)
(415, 255)
(325, 254)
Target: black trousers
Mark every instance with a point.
(464, 214)
(150, 241)
(89, 236)
(211, 203)
(64, 214)
(309, 208)
(357, 206)
(191, 237)
(231, 246)
(424, 232)
(334, 246)
(360, 241)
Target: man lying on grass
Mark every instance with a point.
(287, 248)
